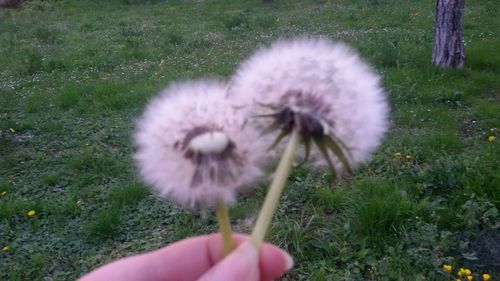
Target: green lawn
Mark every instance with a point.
(74, 75)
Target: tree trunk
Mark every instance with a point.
(448, 43)
(10, 3)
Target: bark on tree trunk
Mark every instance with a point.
(10, 3)
(448, 43)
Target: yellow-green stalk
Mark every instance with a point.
(222, 215)
(275, 190)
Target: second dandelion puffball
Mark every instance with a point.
(322, 89)
(194, 146)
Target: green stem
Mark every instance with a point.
(273, 195)
(222, 215)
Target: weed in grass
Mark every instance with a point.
(71, 206)
(479, 55)
(380, 210)
(174, 38)
(97, 164)
(33, 63)
(53, 127)
(50, 178)
(265, 21)
(332, 199)
(127, 195)
(45, 35)
(236, 21)
(242, 211)
(438, 143)
(450, 98)
(487, 111)
(69, 97)
(105, 224)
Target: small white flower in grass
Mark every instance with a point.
(193, 145)
(321, 88)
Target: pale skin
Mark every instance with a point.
(201, 259)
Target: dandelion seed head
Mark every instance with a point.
(325, 83)
(194, 146)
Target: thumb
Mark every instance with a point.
(242, 264)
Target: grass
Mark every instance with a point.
(72, 84)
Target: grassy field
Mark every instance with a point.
(74, 75)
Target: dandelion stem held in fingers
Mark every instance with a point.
(222, 214)
(274, 193)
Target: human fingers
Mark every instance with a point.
(273, 261)
(187, 260)
(242, 265)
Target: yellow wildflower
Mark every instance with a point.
(486, 277)
(461, 272)
(31, 213)
(5, 248)
(467, 271)
(491, 138)
(470, 277)
(447, 267)
(458, 279)
(408, 156)
(3, 193)
(397, 154)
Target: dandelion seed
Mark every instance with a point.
(322, 89)
(491, 138)
(486, 277)
(194, 147)
(447, 267)
(31, 213)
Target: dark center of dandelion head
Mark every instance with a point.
(307, 125)
(213, 154)
(301, 113)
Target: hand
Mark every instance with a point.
(199, 258)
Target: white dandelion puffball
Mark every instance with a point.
(193, 145)
(322, 85)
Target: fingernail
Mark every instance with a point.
(249, 249)
(289, 261)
